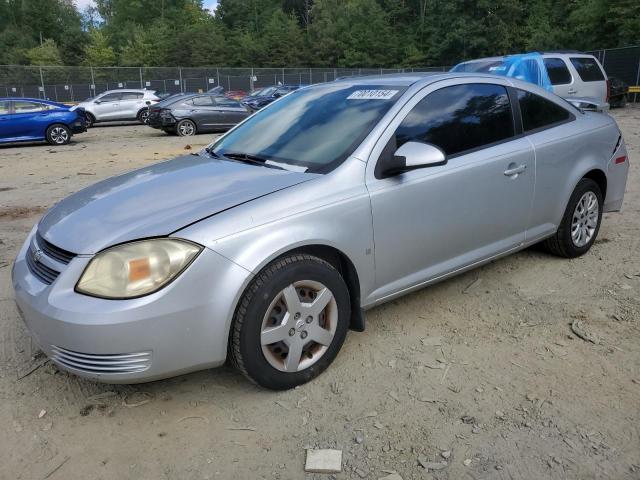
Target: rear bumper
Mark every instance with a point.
(617, 173)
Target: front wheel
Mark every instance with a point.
(90, 120)
(290, 323)
(581, 222)
(186, 128)
(58, 134)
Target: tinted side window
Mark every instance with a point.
(538, 112)
(459, 118)
(203, 101)
(588, 69)
(27, 107)
(4, 108)
(131, 96)
(558, 72)
(110, 97)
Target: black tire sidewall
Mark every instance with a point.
(90, 120)
(254, 362)
(585, 185)
(139, 116)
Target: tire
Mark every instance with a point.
(263, 315)
(58, 134)
(186, 128)
(91, 120)
(564, 243)
(143, 116)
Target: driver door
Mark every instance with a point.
(108, 106)
(434, 221)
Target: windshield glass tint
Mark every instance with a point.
(317, 128)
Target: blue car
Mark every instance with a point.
(32, 119)
(264, 96)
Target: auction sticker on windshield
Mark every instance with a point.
(372, 94)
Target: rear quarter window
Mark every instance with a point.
(558, 72)
(539, 113)
(4, 108)
(588, 69)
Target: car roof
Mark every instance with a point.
(128, 90)
(397, 79)
(30, 99)
(552, 53)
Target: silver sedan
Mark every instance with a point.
(268, 246)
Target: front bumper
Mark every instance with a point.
(181, 328)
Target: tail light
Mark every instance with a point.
(608, 89)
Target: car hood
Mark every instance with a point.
(157, 201)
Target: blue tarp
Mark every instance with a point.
(527, 66)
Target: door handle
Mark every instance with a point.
(571, 91)
(510, 172)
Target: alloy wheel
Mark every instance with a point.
(144, 116)
(585, 219)
(59, 135)
(186, 129)
(299, 326)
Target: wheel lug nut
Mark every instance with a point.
(303, 335)
(292, 332)
(309, 319)
(297, 315)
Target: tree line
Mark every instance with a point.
(305, 33)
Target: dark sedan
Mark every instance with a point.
(264, 96)
(187, 115)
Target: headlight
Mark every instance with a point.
(137, 268)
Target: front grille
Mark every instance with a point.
(45, 274)
(49, 249)
(106, 363)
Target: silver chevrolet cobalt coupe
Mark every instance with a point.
(266, 247)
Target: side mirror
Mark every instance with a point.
(148, 102)
(277, 95)
(97, 102)
(411, 156)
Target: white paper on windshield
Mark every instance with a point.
(372, 94)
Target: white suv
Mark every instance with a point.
(574, 76)
(123, 104)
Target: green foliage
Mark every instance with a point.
(340, 33)
(98, 52)
(45, 54)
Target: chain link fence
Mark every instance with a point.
(74, 84)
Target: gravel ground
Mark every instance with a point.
(479, 376)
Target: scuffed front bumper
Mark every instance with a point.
(181, 328)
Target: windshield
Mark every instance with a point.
(477, 67)
(265, 92)
(316, 128)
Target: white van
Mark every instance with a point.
(573, 75)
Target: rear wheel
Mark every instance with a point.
(581, 222)
(143, 116)
(58, 134)
(186, 128)
(290, 323)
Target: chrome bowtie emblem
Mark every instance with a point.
(37, 255)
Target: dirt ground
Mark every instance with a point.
(479, 377)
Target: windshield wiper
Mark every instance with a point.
(249, 158)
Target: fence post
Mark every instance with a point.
(44, 95)
(310, 76)
(251, 81)
(218, 74)
(283, 76)
(141, 82)
(180, 74)
(93, 84)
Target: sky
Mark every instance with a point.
(82, 4)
